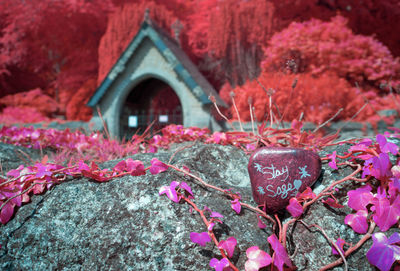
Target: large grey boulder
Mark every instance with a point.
(124, 224)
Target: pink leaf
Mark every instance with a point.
(357, 221)
(360, 198)
(332, 163)
(83, 166)
(386, 214)
(384, 252)
(305, 195)
(386, 146)
(38, 188)
(228, 245)
(294, 207)
(6, 212)
(235, 204)
(257, 259)
(219, 265)
(281, 256)
(170, 191)
(120, 166)
(135, 167)
(340, 243)
(157, 166)
(216, 214)
(186, 187)
(261, 224)
(201, 238)
(333, 203)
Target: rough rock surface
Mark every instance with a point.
(125, 225)
(12, 156)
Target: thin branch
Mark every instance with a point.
(343, 257)
(351, 249)
(212, 99)
(329, 120)
(236, 110)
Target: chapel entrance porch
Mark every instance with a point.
(151, 101)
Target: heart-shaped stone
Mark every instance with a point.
(278, 173)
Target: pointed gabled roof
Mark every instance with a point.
(174, 55)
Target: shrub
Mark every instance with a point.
(317, 47)
(317, 97)
(34, 98)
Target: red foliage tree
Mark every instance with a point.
(76, 108)
(334, 93)
(35, 98)
(315, 46)
(48, 42)
(123, 26)
(228, 36)
(366, 17)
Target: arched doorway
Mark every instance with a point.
(152, 100)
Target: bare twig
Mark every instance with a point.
(251, 116)
(104, 123)
(212, 99)
(223, 191)
(236, 110)
(329, 120)
(330, 241)
(352, 249)
(354, 116)
(180, 149)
